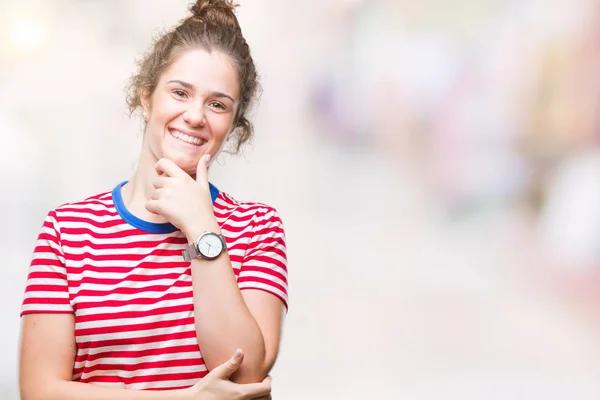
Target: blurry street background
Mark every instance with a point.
(436, 164)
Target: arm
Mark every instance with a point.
(47, 351)
(46, 357)
(226, 320)
(47, 346)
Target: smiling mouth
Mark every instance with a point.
(187, 138)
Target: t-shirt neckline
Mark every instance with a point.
(141, 224)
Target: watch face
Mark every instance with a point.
(210, 245)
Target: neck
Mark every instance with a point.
(137, 191)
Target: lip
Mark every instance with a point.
(194, 134)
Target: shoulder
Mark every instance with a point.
(253, 212)
(96, 205)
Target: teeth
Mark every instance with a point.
(187, 138)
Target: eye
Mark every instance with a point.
(217, 105)
(180, 93)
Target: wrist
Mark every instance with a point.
(193, 232)
(190, 393)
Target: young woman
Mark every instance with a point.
(138, 292)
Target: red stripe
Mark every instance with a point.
(162, 311)
(125, 257)
(46, 301)
(89, 211)
(128, 278)
(189, 348)
(123, 245)
(186, 362)
(133, 341)
(267, 271)
(254, 279)
(113, 235)
(130, 290)
(284, 301)
(134, 301)
(111, 223)
(106, 330)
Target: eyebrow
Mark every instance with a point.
(191, 87)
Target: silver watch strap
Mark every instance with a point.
(190, 252)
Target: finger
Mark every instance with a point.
(157, 194)
(153, 206)
(202, 168)
(228, 367)
(159, 181)
(164, 166)
(260, 390)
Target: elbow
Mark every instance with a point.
(253, 369)
(31, 390)
(249, 375)
(28, 392)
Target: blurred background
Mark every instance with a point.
(436, 164)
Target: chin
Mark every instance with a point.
(183, 161)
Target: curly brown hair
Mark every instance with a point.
(213, 26)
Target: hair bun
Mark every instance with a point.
(218, 12)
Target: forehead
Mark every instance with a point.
(209, 72)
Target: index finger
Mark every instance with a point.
(169, 168)
(253, 390)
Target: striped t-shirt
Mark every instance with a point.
(130, 290)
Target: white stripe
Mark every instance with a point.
(268, 277)
(95, 274)
(139, 347)
(173, 316)
(244, 223)
(176, 258)
(165, 384)
(128, 297)
(102, 230)
(135, 284)
(116, 385)
(94, 205)
(85, 216)
(161, 245)
(138, 360)
(137, 334)
(41, 308)
(146, 372)
(47, 281)
(150, 237)
(260, 285)
(46, 295)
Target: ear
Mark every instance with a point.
(145, 102)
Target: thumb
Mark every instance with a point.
(202, 168)
(226, 369)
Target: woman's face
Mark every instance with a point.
(192, 108)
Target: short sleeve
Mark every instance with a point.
(46, 289)
(264, 266)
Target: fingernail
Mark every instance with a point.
(207, 158)
(237, 354)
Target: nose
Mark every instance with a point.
(195, 115)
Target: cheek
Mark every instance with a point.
(221, 126)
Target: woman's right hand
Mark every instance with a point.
(217, 386)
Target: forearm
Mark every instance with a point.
(69, 390)
(223, 321)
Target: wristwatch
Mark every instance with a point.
(209, 246)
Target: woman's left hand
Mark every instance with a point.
(182, 200)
